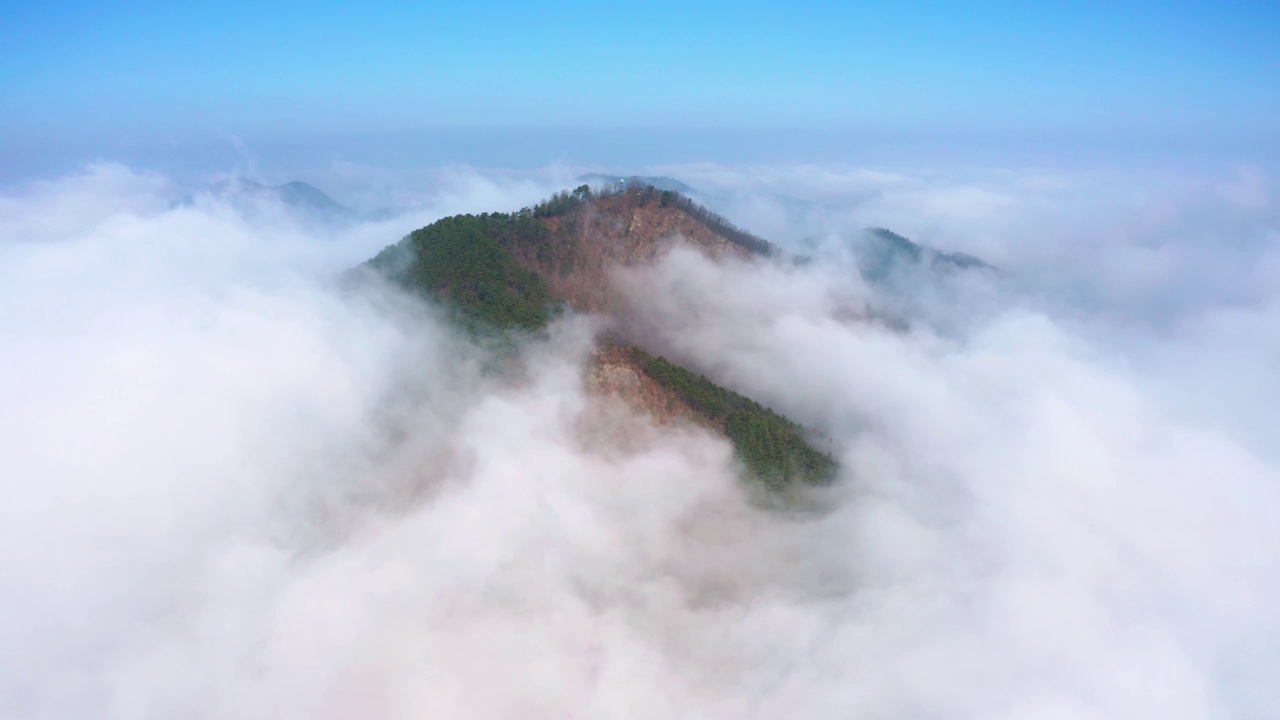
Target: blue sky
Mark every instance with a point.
(94, 77)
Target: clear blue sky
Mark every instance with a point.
(94, 75)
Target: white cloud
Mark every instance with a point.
(231, 490)
(1030, 533)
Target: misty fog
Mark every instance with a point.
(234, 487)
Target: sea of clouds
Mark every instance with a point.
(231, 486)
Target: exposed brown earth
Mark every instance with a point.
(614, 372)
(627, 408)
(626, 230)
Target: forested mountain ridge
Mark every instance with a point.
(515, 271)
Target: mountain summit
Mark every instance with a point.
(515, 271)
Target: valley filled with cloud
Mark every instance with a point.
(238, 486)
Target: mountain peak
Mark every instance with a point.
(885, 252)
(509, 270)
(297, 195)
(627, 182)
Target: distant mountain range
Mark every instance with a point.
(304, 199)
(313, 204)
(299, 196)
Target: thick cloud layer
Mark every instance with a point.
(231, 488)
